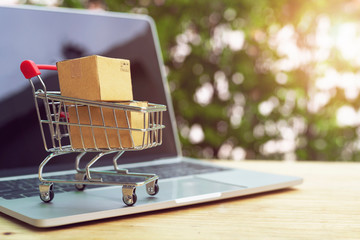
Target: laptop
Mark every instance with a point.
(47, 36)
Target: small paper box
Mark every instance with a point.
(105, 133)
(96, 78)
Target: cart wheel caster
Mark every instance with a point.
(46, 193)
(152, 188)
(129, 195)
(80, 177)
(80, 187)
(130, 200)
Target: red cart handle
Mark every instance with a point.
(30, 69)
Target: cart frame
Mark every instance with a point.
(58, 113)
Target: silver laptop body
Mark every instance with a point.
(50, 35)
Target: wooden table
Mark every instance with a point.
(326, 206)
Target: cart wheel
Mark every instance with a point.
(47, 196)
(152, 188)
(80, 187)
(130, 200)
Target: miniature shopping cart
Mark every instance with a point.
(70, 125)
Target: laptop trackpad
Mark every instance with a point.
(195, 189)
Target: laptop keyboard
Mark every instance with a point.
(30, 187)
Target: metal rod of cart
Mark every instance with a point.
(70, 125)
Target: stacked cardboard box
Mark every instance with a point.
(100, 79)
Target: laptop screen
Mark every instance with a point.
(48, 36)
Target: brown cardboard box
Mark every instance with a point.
(96, 136)
(96, 78)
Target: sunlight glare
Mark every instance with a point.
(347, 116)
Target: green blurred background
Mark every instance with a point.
(258, 79)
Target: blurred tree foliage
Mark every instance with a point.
(250, 79)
